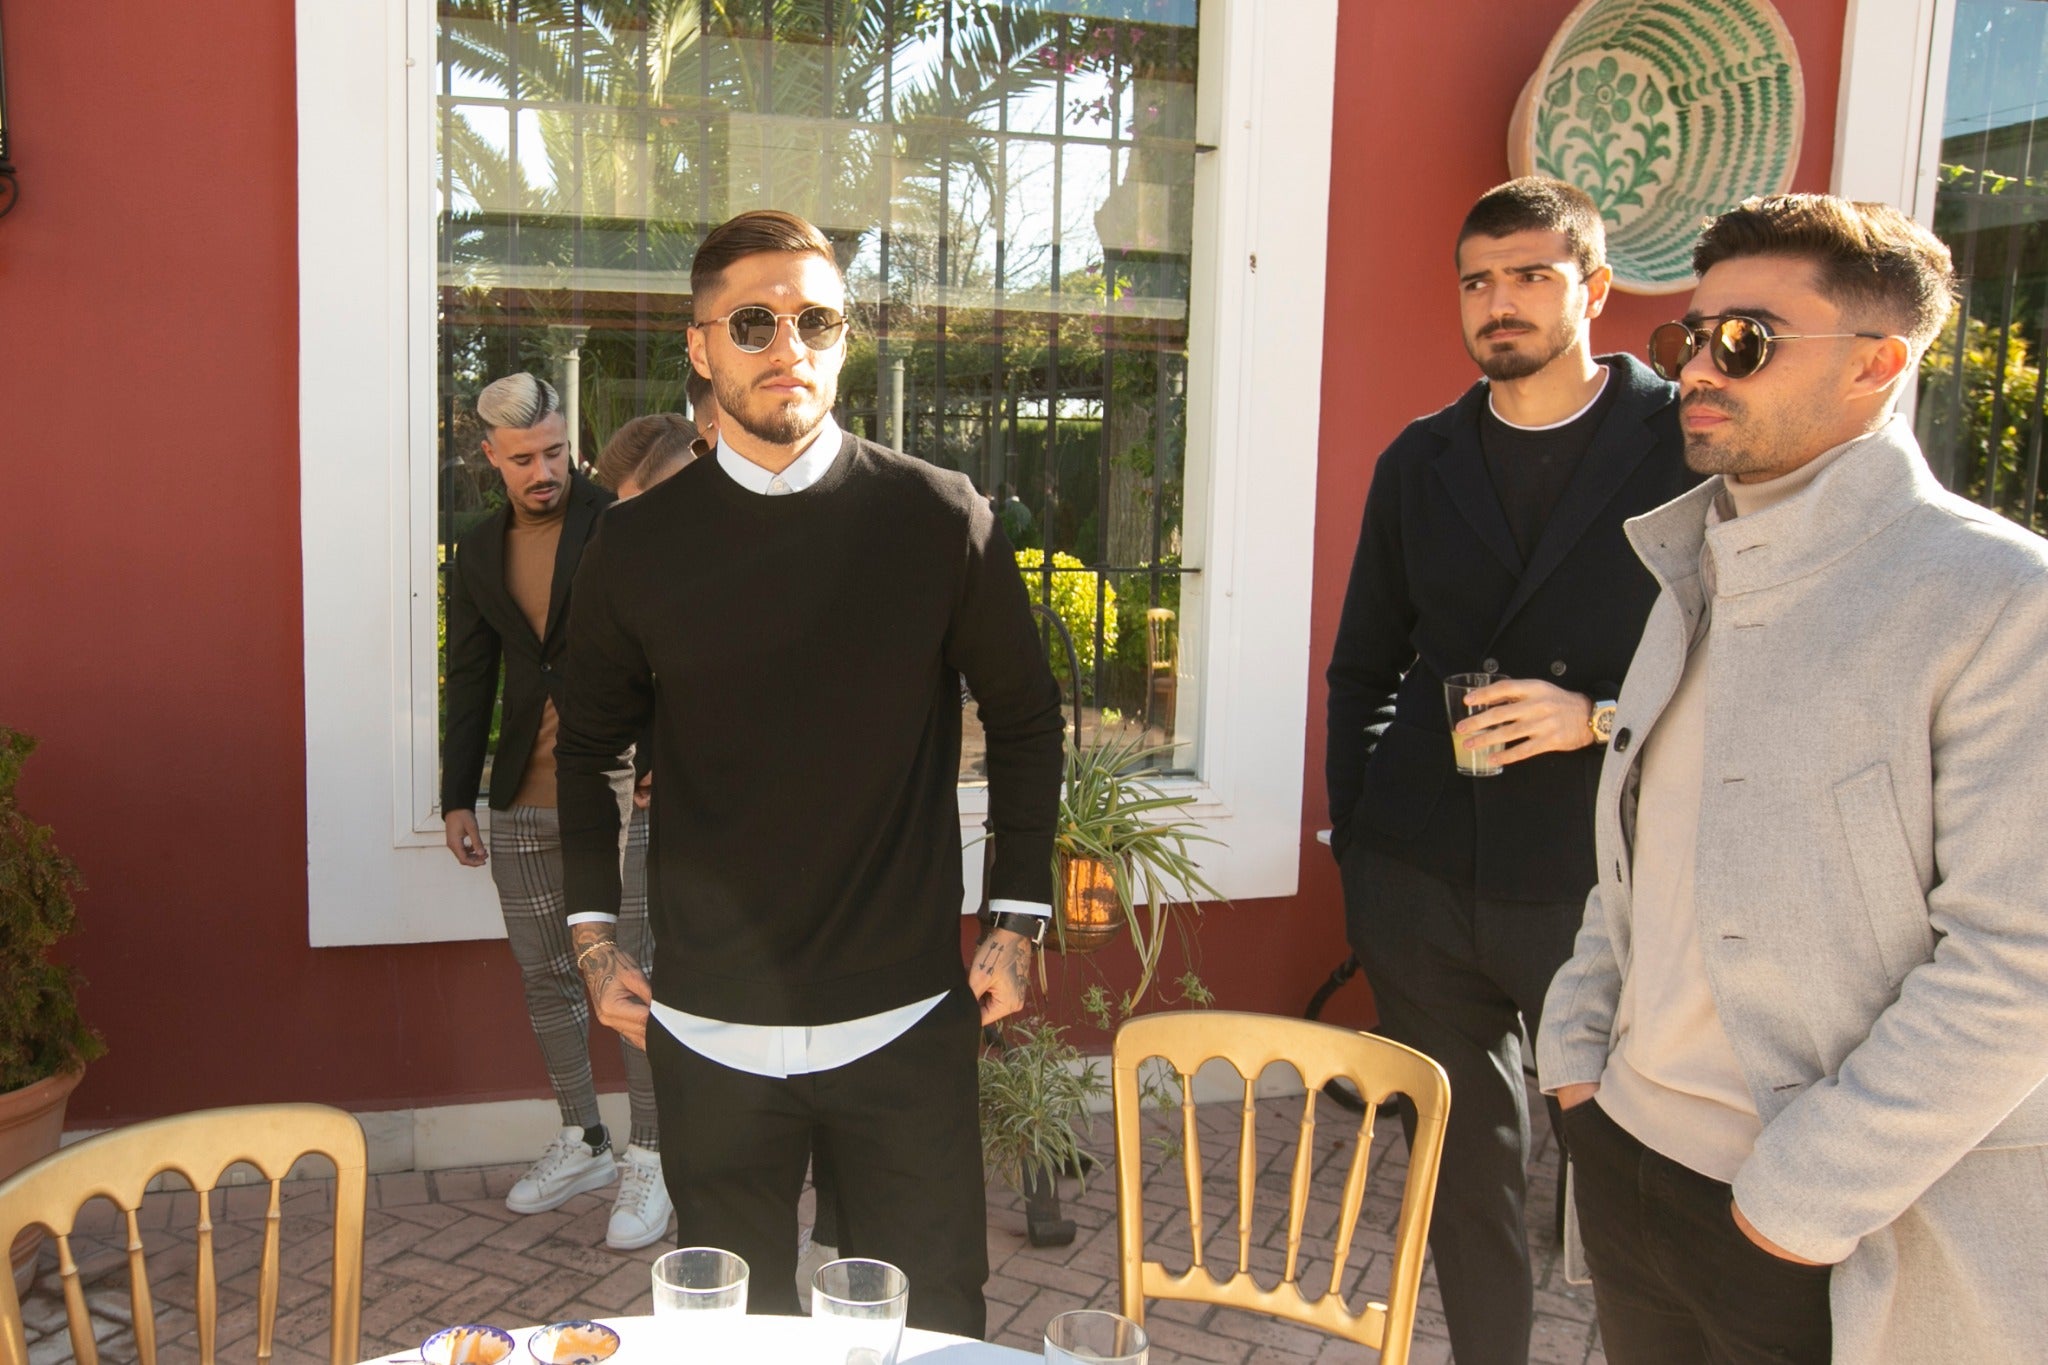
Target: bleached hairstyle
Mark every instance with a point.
(517, 401)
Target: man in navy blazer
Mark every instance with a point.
(1492, 543)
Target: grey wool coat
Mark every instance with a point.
(1872, 888)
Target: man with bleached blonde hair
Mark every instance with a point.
(508, 600)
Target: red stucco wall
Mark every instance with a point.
(149, 546)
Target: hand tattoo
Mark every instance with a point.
(1007, 956)
(598, 956)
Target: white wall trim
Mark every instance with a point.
(1887, 113)
(376, 871)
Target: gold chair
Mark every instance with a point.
(1320, 1052)
(119, 1166)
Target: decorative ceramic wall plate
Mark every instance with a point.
(1667, 112)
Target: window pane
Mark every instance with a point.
(1010, 189)
(1979, 414)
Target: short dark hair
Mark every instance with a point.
(645, 450)
(698, 389)
(1870, 260)
(1537, 203)
(750, 234)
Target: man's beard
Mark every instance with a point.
(1506, 366)
(782, 424)
(1721, 450)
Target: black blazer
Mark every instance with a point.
(1437, 587)
(485, 624)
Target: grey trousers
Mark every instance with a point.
(526, 864)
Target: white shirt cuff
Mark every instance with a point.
(593, 917)
(1020, 908)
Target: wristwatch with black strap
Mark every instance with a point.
(1032, 927)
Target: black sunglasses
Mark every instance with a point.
(1739, 346)
(753, 328)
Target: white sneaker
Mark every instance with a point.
(641, 1213)
(810, 1257)
(566, 1169)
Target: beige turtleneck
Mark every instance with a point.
(530, 545)
(1672, 1079)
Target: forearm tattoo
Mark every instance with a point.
(598, 956)
(1006, 957)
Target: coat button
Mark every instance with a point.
(547, 668)
(1621, 739)
(1490, 666)
(1557, 668)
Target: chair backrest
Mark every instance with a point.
(1159, 641)
(119, 1166)
(1378, 1069)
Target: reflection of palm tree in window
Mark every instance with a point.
(1009, 188)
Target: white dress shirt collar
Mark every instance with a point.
(804, 471)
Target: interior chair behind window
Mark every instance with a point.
(1378, 1069)
(119, 1166)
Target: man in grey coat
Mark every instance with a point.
(1799, 1043)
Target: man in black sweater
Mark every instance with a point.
(795, 615)
(1493, 543)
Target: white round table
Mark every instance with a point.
(769, 1339)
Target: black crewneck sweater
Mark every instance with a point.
(800, 658)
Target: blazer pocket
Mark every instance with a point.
(1404, 779)
(1894, 901)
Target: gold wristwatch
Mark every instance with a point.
(1601, 722)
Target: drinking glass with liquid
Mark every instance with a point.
(858, 1307)
(1480, 762)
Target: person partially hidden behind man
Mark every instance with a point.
(1800, 1041)
(810, 603)
(508, 593)
(1492, 542)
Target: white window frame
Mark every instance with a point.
(376, 868)
(1888, 108)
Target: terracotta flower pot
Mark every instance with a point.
(1090, 913)
(31, 1125)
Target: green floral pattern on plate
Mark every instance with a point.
(1666, 112)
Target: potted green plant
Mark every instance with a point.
(44, 1045)
(1122, 866)
(1036, 1092)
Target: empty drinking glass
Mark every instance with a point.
(1094, 1336)
(860, 1306)
(700, 1280)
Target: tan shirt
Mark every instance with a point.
(530, 546)
(1672, 1079)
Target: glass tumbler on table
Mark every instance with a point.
(859, 1307)
(1471, 762)
(1094, 1336)
(700, 1280)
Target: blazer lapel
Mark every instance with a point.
(1461, 464)
(1623, 441)
(484, 571)
(577, 523)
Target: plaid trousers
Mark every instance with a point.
(526, 864)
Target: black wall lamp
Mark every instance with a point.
(9, 191)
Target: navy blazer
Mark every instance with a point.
(484, 626)
(1437, 587)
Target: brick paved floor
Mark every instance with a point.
(442, 1248)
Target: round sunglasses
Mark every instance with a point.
(753, 328)
(1739, 346)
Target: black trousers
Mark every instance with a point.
(900, 1129)
(1674, 1280)
(1458, 977)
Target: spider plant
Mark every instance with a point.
(1138, 836)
